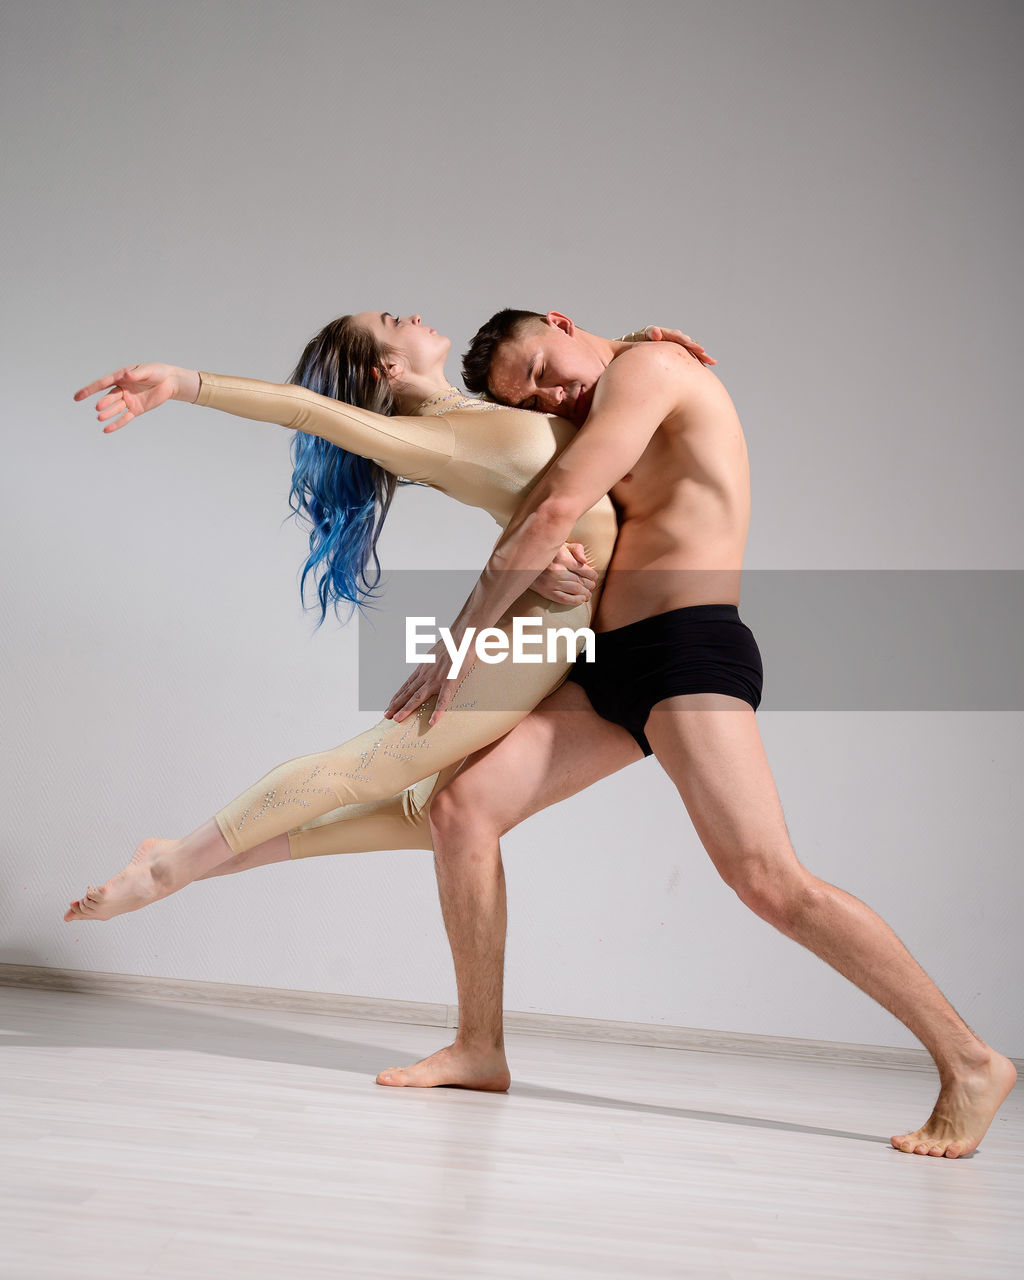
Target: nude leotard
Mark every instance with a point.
(373, 792)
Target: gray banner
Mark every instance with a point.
(830, 640)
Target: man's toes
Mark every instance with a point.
(953, 1150)
(921, 1149)
(937, 1150)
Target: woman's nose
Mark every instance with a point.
(415, 319)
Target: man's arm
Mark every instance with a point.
(639, 390)
(632, 399)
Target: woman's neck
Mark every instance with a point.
(413, 397)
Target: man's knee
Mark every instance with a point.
(773, 885)
(460, 817)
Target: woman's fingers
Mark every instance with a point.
(657, 333)
(110, 398)
(101, 384)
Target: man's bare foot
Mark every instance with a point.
(457, 1065)
(143, 881)
(963, 1112)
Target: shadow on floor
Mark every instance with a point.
(31, 1020)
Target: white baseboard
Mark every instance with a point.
(187, 991)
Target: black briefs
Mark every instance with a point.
(704, 648)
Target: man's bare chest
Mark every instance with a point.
(651, 480)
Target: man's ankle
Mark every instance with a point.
(968, 1057)
(482, 1043)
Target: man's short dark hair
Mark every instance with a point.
(502, 327)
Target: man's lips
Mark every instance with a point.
(580, 406)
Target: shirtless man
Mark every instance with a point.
(663, 438)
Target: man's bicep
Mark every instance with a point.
(595, 462)
(612, 439)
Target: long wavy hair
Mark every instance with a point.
(344, 497)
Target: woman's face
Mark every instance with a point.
(423, 350)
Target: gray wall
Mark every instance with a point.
(827, 194)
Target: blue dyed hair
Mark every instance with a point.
(344, 497)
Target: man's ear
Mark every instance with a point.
(558, 321)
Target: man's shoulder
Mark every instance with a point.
(645, 358)
(649, 364)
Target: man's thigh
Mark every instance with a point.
(562, 747)
(710, 746)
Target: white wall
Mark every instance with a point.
(827, 194)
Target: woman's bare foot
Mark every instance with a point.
(963, 1112)
(144, 880)
(459, 1065)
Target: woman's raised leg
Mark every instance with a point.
(490, 699)
(398, 822)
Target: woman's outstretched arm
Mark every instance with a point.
(416, 448)
(136, 388)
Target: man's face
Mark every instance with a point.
(548, 367)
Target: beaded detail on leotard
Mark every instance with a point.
(412, 741)
(445, 401)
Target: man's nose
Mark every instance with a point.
(553, 396)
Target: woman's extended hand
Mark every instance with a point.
(657, 334)
(136, 388)
(568, 579)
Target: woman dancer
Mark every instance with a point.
(374, 791)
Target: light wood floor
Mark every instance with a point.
(148, 1139)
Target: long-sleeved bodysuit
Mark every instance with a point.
(374, 791)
